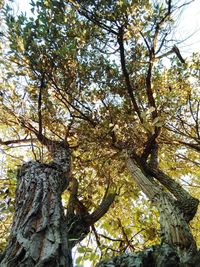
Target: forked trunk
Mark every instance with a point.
(176, 208)
(39, 235)
(178, 247)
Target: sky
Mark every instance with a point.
(188, 29)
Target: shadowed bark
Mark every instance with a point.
(178, 247)
(175, 214)
(155, 256)
(41, 233)
(38, 234)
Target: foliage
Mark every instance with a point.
(93, 72)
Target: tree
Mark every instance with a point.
(85, 87)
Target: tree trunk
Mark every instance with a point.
(174, 211)
(38, 235)
(156, 256)
(42, 234)
(178, 247)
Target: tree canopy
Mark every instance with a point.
(93, 74)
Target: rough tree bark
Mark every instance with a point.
(38, 234)
(41, 233)
(176, 209)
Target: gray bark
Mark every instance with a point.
(176, 208)
(155, 256)
(38, 234)
(41, 233)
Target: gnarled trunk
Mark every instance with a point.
(156, 256)
(39, 235)
(176, 208)
(178, 247)
(42, 234)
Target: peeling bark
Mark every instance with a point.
(174, 229)
(185, 201)
(178, 247)
(176, 208)
(149, 187)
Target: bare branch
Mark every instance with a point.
(101, 209)
(178, 54)
(91, 17)
(40, 102)
(67, 102)
(10, 142)
(96, 236)
(165, 54)
(73, 198)
(161, 43)
(146, 42)
(110, 238)
(195, 118)
(191, 145)
(125, 72)
(126, 239)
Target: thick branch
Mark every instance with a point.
(152, 53)
(178, 54)
(149, 90)
(10, 142)
(154, 156)
(59, 150)
(150, 145)
(73, 198)
(126, 74)
(101, 209)
(40, 103)
(148, 186)
(173, 218)
(188, 204)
